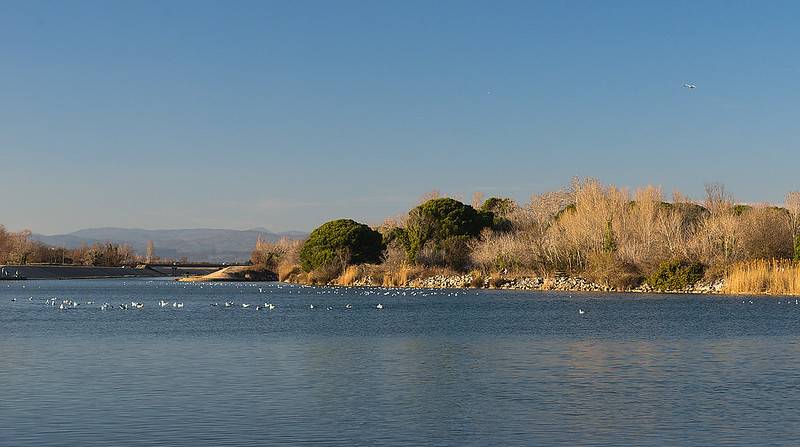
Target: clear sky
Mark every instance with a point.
(287, 114)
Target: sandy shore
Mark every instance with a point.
(235, 273)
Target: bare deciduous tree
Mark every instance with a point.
(718, 199)
(793, 207)
(430, 195)
(477, 200)
(766, 233)
(151, 252)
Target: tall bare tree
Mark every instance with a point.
(793, 206)
(718, 199)
(477, 200)
(151, 252)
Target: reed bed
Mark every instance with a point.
(348, 276)
(379, 275)
(776, 277)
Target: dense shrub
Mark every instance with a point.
(342, 241)
(497, 282)
(448, 217)
(437, 221)
(675, 275)
(456, 252)
(478, 282)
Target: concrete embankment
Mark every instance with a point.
(11, 272)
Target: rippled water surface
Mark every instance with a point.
(452, 367)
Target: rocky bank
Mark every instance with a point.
(537, 283)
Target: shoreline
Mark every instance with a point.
(506, 282)
(38, 272)
(561, 283)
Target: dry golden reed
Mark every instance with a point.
(397, 278)
(776, 277)
(287, 272)
(350, 275)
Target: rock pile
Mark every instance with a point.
(564, 283)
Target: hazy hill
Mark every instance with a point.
(200, 245)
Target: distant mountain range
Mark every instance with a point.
(199, 245)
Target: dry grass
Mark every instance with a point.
(401, 276)
(289, 272)
(478, 282)
(776, 277)
(350, 275)
(392, 279)
(382, 275)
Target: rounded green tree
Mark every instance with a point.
(439, 220)
(345, 240)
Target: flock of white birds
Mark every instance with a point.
(69, 304)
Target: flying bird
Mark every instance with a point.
(689, 85)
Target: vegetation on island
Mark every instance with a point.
(608, 235)
(617, 237)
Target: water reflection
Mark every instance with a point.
(494, 369)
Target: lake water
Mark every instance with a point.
(432, 367)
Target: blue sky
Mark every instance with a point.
(287, 114)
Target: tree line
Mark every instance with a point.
(20, 248)
(609, 235)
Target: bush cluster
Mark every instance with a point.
(341, 243)
(675, 275)
(447, 225)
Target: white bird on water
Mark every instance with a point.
(581, 312)
(379, 306)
